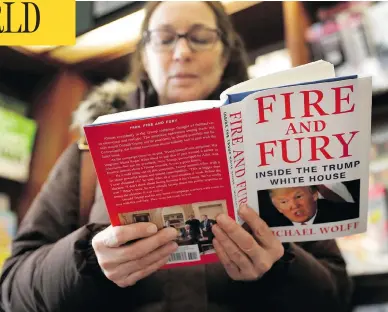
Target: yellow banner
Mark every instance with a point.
(37, 22)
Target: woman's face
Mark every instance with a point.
(180, 74)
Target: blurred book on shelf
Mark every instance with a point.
(367, 253)
(353, 37)
(268, 63)
(377, 25)
(13, 104)
(16, 145)
(8, 224)
(378, 307)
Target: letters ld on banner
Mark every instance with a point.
(37, 22)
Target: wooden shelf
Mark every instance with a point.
(51, 92)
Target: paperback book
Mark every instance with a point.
(293, 145)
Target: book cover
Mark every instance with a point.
(301, 157)
(293, 145)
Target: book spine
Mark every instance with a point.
(232, 117)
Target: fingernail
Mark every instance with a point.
(152, 229)
(222, 218)
(110, 240)
(243, 208)
(173, 232)
(215, 228)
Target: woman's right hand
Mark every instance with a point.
(126, 264)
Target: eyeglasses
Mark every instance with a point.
(198, 39)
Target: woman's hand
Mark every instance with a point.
(126, 264)
(246, 256)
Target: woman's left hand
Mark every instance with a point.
(245, 256)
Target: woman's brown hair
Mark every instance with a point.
(234, 51)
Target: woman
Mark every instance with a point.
(188, 51)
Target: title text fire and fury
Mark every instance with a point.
(239, 163)
(303, 135)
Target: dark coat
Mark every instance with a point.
(53, 267)
(207, 229)
(208, 225)
(327, 211)
(194, 226)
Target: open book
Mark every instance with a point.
(293, 145)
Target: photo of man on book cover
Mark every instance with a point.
(310, 204)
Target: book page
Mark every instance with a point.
(165, 170)
(160, 110)
(313, 71)
(306, 153)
